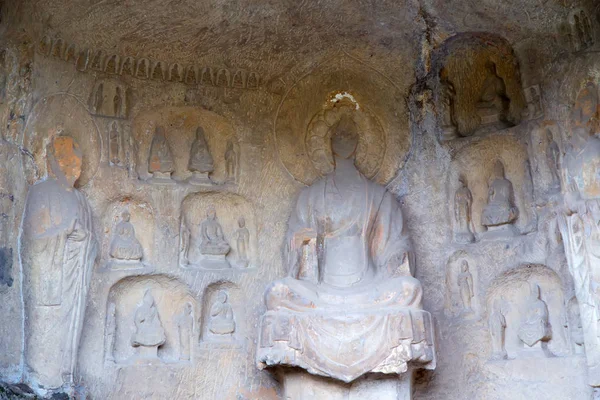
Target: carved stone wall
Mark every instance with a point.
(155, 156)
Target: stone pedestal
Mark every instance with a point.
(300, 385)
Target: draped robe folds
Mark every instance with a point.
(360, 224)
(58, 251)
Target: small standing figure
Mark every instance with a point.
(553, 159)
(111, 330)
(463, 200)
(497, 324)
(213, 241)
(201, 161)
(534, 102)
(231, 162)
(447, 112)
(117, 103)
(185, 329)
(149, 332)
(535, 328)
(124, 245)
(242, 238)
(221, 316)
(465, 286)
(500, 210)
(493, 104)
(99, 99)
(113, 139)
(160, 163)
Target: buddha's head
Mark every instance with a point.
(125, 216)
(490, 67)
(241, 222)
(148, 299)
(222, 297)
(464, 266)
(535, 292)
(200, 133)
(463, 180)
(64, 160)
(498, 169)
(211, 213)
(344, 140)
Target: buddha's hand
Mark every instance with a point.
(399, 265)
(77, 233)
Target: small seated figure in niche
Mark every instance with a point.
(465, 286)
(201, 161)
(221, 316)
(185, 330)
(212, 239)
(500, 210)
(553, 159)
(463, 200)
(160, 162)
(124, 246)
(493, 104)
(231, 162)
(149, 333)
(447, 111)
(497, 324)
(535, 328)
(242, 239)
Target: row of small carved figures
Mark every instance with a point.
(144, 68)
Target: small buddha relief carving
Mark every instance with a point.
(149, 333)
(201, 162)
(497, 327)
(111, 331)
(534, 102)
(109, 99)
(242, 240)
(500, 211)
(493, 104)
(221, 322)
(447, 107)
(231, 162)
(160, 161)
(463, 201)
(114, 144)
(213, 241)
(124, 246)
(465, 287)
(535, 330)
(185, 331)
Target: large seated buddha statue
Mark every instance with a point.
(349, 305)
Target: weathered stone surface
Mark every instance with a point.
(204, 131)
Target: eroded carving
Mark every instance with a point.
(463, 201)
(221, 316)
(58, 253)
(493, 104)
(185, 330)
(124, 246)
(535, 330)
(109, 99)
(534, 102)
(553, 159)
(201, 163)
(242, 240)
(448, 94)
(575, 326)
(497, 326)
(500, 210)
(160, 162)
(231, 162)
(465, 287)
(347, 250)
(213, 241)
(149, 333)
(582, 35)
